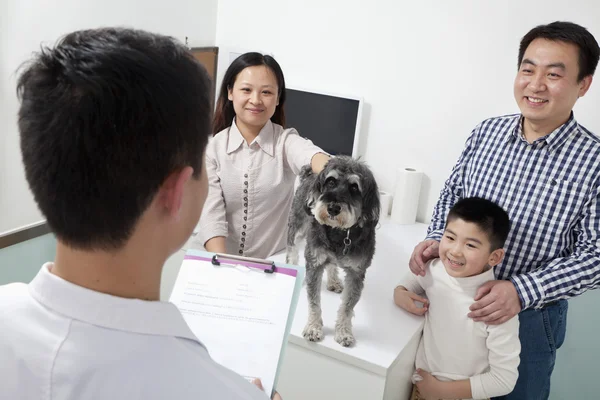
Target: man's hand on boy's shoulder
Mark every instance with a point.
(495, 302)
(425, 251)
(406, 300)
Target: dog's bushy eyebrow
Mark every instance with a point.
(332, 174)
(355, 179)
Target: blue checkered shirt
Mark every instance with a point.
(551, 191)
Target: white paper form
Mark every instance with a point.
(238, 313)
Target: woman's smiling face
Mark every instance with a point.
(255, 96)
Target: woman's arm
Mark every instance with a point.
(299, 152)
(216, 245)
(212, 227)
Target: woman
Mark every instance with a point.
(252, 162)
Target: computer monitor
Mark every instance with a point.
(331, 121)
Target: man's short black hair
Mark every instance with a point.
(487, 215)
(589, 51)
(106, 116)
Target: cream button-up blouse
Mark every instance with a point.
(251, 187)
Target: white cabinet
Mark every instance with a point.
(379, 366)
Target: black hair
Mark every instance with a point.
(487, 215)
(106, 116)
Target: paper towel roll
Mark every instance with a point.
(406, 196)
(386, 201)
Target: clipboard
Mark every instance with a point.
(224, 265)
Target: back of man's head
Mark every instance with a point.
(106, 116)
(487, 215)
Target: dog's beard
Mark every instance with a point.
(344, 220)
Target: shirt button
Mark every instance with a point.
(245, 204)
(245, 199)
(245, 212)
(245, 190)
(245, 175)
(243, 239)
(246, 183)
(242, 245)
(245, 218)
(243, 233)
(241, 252)
(244, 226)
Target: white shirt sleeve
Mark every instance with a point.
(412, 284)
(298, 151)
(213, 221)
(504, 349)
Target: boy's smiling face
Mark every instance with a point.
(465, 250)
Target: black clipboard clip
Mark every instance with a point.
(270, 264)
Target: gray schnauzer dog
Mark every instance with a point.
(337, 212)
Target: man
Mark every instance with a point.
(542, 167)
(113, 125)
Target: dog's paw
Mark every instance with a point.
(291, 255)
(344, 337)
(291, 259)
(313, 332)
(335, 286)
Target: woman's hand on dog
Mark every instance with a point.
(406, 300)
(423, 252)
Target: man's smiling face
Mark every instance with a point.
(546, 86)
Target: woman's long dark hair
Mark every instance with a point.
(224, 112)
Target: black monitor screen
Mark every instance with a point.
(329, 121)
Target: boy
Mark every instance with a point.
(458, 357)
(113, 126)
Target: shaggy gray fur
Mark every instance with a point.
(337, 212)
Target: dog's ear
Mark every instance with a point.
(305, 172)
(371, 202)
(314, 191)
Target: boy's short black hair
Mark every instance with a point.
(106, 116)
(487, 215)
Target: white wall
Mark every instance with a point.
(429, 71)
(26, 23)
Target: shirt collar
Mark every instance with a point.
(562, 133)
(265, 138)
(553, 140)
(235, 138)
(112, 312)
(515, 130)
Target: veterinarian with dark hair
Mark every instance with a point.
(113, 126)
(542, 167)
(252, 162)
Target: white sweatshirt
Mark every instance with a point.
(454, 347)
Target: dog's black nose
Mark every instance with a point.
(333, 209)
